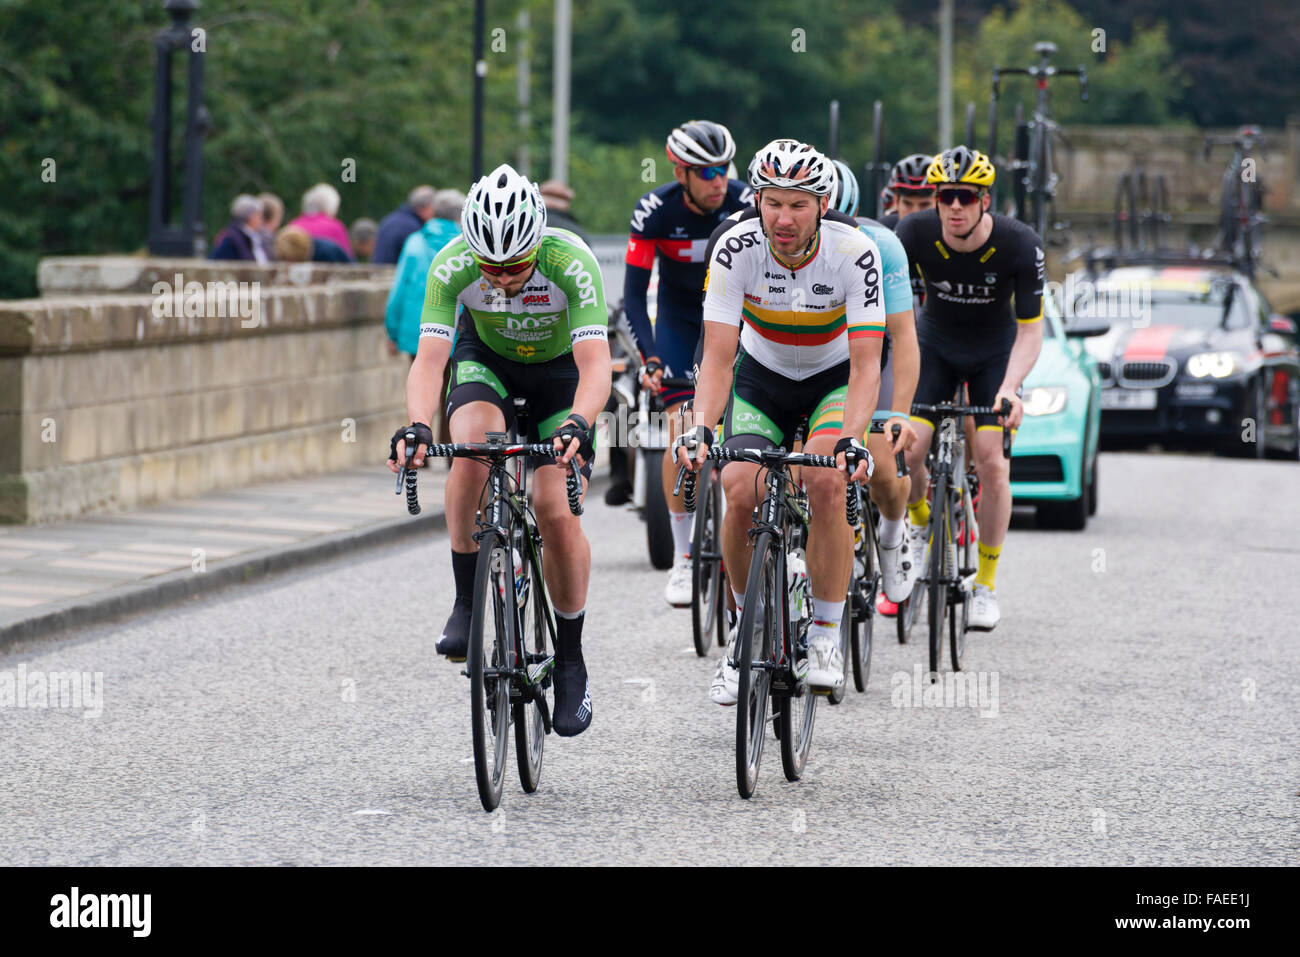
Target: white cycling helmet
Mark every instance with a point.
(504, 216)
(789, 164)
(700, 143)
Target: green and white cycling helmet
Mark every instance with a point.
(789, 164)
(504, 217)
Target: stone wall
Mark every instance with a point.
(105, 403)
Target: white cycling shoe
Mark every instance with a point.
(898, 569)
(725, 688)
(984, 614)
(825, 661)
(679, 590)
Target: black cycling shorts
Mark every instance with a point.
(765, 407)
(480, 375)
(942, 372)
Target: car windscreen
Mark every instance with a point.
(1203, 307)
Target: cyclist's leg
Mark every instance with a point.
(830, 540)
(995, 495)
(888, 490)
(676, 338)
(752, 420)
(567, 568)
(476, 404)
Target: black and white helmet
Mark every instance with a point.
(700, 143)
(504, 216)
(789, 164)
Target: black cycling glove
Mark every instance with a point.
(853, 452)
(576, 427)
(423, 436)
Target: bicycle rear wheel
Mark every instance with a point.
(939, 547)
(491, 638)
(759, 634)
(530, 727)
(708, 607)
(863, 590)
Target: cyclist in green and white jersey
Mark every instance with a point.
(537, 329)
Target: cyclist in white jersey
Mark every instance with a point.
(806, 286)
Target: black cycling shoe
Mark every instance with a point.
(572, 697)
(620, 493)
(454, 642)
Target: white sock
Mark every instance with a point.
(890, 532)
(740, 601)
(681, 523)
(828, 611)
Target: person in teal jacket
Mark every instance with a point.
(406, 298)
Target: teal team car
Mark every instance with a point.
(1054, 458)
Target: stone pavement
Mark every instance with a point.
(58, 576)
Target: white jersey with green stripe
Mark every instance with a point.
(797, 322)
(562, 302)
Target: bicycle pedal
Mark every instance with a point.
(463, 671)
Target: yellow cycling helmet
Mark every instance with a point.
(961, 164)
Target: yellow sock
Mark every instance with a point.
(988, 567)
(919, 513)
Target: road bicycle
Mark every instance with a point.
(948, 569)
(1241, 220)
(1034, 178)
(512, 629)
(771, 650)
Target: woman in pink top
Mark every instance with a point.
(320, 206)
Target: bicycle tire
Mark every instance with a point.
(862, 615)
(942, 529)
(753, 695)
(530, 728)
(959, 617)
(796, 718)
(490, 698)
(707, 604)
(658, 527)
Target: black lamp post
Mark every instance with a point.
(186, 238)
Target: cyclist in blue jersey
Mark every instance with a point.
(900, 367)
(674, 222)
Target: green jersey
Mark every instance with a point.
(562, 302)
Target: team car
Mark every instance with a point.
(1054, 457)
(1194, 358)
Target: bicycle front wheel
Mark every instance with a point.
(959, 610)
(862, 608)
(491, 638)
(759, 636)
(941, 531)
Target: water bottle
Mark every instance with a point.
(797, 581)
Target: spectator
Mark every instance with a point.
(293, 244)
(272, 217)
(241, 239)
(557, 196)
(406, 299)
(362, 234)
(401, 223)
(320, 208)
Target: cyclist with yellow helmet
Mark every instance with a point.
(973, 263)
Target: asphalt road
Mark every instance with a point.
(1145, 713)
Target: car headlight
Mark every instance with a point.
(1216, 364)
(1045, 400)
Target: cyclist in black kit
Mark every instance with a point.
(972, 263)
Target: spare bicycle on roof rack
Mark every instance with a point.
(1241, 202)
(1032, 166)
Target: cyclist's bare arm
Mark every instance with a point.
(423, 388)
(714, 382)
(905, 354)
(592, 359)
(1024, 353)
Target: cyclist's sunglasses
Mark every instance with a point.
(709, 172)
(506, 269)
(967, 197)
